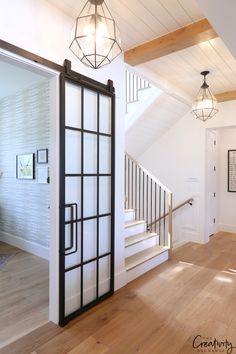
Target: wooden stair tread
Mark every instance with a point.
(143, 256)
(134, 223)
(129, 210)
(132, 240)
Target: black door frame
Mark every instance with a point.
(108, 91)
(89, 83)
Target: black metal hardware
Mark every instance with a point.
(72, 223)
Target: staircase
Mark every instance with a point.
(148, 220)
(148, 203)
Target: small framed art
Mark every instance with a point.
(231, 170)
(25, 166)
(42, 156)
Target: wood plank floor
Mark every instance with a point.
(23, 294)
(159, 313)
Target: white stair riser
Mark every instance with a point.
(134, 230)
(140, 246)
(129, 216)
(145, 267)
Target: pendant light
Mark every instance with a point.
(205, 105)
(96, 41)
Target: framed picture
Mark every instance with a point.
(231, 170)
(25, 166)
(42, 156)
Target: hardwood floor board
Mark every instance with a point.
(23, 310)
(125, 324)
(161, 312)
(91, 346)
(81, 328)
(33, 340)
(24, 294)
(21, 327)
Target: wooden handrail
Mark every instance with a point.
(188, 201)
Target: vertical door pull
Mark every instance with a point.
(73, 221)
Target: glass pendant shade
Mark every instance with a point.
(205, 105)
(96, 40)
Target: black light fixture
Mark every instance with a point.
(96, 41)
(205, 105)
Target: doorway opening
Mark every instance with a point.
(27, 184)
(220, 202)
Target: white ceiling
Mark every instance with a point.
(183, 68)
(141, 20)
(15, 78)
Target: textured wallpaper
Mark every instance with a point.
(24, 128)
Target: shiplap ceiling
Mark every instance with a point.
(140, 21)
(183, 68)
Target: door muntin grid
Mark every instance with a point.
(87, 198)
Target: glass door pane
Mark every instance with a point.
(86, 202)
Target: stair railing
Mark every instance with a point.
(188, 201)
(134, 84)
(150, 199)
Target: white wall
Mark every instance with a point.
(226, 200)
(178, 159)
(42, 29)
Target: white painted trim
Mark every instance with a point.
(226, 228)
(26, 245)
(26, 63)
(177, 244)
(120, 279)
(54, 200)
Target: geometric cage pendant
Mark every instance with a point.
(96, 39)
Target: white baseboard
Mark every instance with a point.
(28, 246)
(226, 228)
(177, 244)
(120, 279)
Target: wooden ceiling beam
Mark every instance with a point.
(226, 96)
(182, 38)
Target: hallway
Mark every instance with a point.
(160, 312)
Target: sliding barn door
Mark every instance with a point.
(86, 196)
